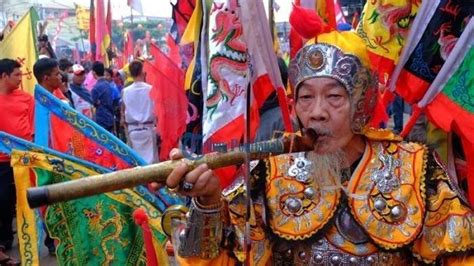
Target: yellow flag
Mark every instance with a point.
(20, 45)
(82, 17)
(384, 26)
(191, 34)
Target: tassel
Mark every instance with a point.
(141, 218)
(307, 23)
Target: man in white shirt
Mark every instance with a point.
(81, 97)
(139, 116)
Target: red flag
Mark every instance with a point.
(127, 47)
(85, 139)
(92, 30)
(166, 66)
(102, 37)
(173, 52)
(170, 100)
(265, 74)
(108, 19)
(181, 13)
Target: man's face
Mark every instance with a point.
(79, 79)
(13, 80)
(107, 76)
(324, 105)
(53, 80)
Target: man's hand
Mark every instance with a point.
(200, 182)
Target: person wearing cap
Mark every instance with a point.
(362, 196)
(81, 97)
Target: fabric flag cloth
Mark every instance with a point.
(191, 37)
(20, 45)
(135, 5)
(96, 230)
(127, 47)
(229, 77)
(82, 17)
(102, 36)
(265, 74)
(384, 27)
(59, 27)
(62, 128)
(181, 14)
(169, 98)
(173, 51)
(449, 101)
(433, 36)
(92, 38)
(225, 82)
(326, 10)
(108, 22)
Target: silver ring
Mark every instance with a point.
(187, 187)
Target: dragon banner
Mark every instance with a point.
(62, 128)
(435, 35)
(384, 25)
(97, 230)
(225, 96)
(242, 72)
(449, 101)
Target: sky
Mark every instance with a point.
(162, 8)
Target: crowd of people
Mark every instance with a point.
(92, 90)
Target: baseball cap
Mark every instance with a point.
(77, 69)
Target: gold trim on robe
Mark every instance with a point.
(390, 181)
(313, 214)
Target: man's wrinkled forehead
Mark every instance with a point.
(320, 83)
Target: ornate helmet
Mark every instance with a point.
(339, 55)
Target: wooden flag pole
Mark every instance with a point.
(271, 18)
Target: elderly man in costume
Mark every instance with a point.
(361, 197)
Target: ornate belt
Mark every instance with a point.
(321, 252)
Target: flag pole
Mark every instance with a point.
(246, 174)
(81, 32)
(131, 18)
(271, 18)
